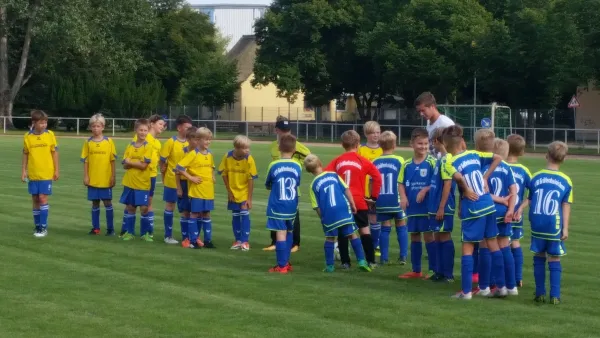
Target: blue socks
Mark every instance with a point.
(200, 222)
(384, 243)
(518, 257)
(96, 218)
(476, 258)
(184, 223)
(555, 273)
(289, 242)
(447, 260)
(358, 249)
(150, 222)
(439, 251)
(124, 225)
(498, 268)
(509, 268)
(416, 251)
(236, 225)
(329, 253)
(168, 217)
(402, 233)
(193, 229)
(145, 226)
(110, 217)
(375, 233)
(130, 223)
(485, 267)
(281, 253)
(44, 210)
(539, 274)
(207, 228)
(466, 269)
(36, 217)
(245, 219)
(431, 248)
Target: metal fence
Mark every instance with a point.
(580, 139)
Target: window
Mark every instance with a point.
(210, 12)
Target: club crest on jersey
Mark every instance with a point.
(423, 172)
(435, 171)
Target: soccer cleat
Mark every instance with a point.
(475, 290)
(437, 277)
(279, 269)
(411, 275)
(512, 292)
(402, 260)
(429, 275)
(199, 242)
(500, 292)
(475, 278)
(464, 296)
(540, 299)
(377, 252)
(373, 266)
(147, 238)
(128, 237)
(364, 266)
(171, 240)
(194, 246)
(94, 232)
(448, 280)
(520, 284)
(485, 292)
(554, 300)
(384, 262)
(245, 246)
(41, 232)
(269, 248)
(236, 245)
(329, 268)
(209, 245)
(336, 253)
(110, 232)
(122, 234)
(345, 266)
(185, 243)
(295, 248)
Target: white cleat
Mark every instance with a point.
(464, 296)
(485, 292)
(336, 252)
(41, 233)
(236, 245)
(513, 292)
(501, 292)
(171, 240)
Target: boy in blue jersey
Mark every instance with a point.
(387, 205)
(550, 200)
(503, 189)
(415, 179)
(283, 180)
(516, 144)
(478, 221)
(441, 206)
(334, 204)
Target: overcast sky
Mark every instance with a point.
(230, 2)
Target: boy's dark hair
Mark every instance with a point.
(38, 115)
(426, 98)
(516, 145)
(155, 118)
(141, 122)
(287, 143)
(350, 139)
(453, 137)
(419, 133)
(438, 135)
(182, 119)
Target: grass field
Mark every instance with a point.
(70, 284)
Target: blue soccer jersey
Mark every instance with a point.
(523, 179)
(469, 164)
(389, 167)
(328, 193)
(283, 179)
(549, 190)
(416, 177)
(436, 188)
(499, 183)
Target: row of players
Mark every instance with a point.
(422, 179)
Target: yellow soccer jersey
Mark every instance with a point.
(199, 165)
(171, 153)
(370, 154)
(238, 172)
(99, 156)
(39, 149)
(155, 155)
(301, 152)
(135, 178)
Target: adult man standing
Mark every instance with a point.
(282, 127)
(426, 106)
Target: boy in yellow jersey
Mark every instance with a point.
(170, 154)
(198, 166)
(371, 150)
(40, 168)
(282, 128)
(183, 200)
(239, 172)
(98, 156)
(137, 182)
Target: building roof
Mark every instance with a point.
(244, 52)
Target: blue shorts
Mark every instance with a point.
(235, 206)
(95, 194)
(201, 205)
(517, 231)
(170, 194)
(345, 230)
(480, 228)
(152, 186)
(387, 216)
(550, 247)
(43, 187)
(417, 224)
(134, 197)
(280, 224)
(504, 230)
(445, 225)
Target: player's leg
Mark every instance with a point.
(130, 215)
(430, 246)
(271, 247)
(296, 233)
(472, 232)
(505, 231)
(168, 216)
(95, 217)
(289, 240)
(207, 228)
(349, 232)
(362, 221)
(446, 256)
(145, 224)
(281, 251)
(476, 264)
(110, 217)
(245, 219)
(416, 249)
(402, 237)
(517, 253)
(328, 248)
(35, 201)
(236, 225)
(485, 269)
(44, 212)
(184, 207)
(384, 239)
(556, 249)
(193, 231)
(375, 229)
(150, 214)
(539, 247)
(343, 250)
(491, 239)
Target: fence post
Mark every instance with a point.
(246, 123)
(262, 114)
(566, 137)
(306, 132)
(78, 126)
(598, 139)
(534, 142)
(215, 128)
(113, 128)
(331, 131)
(4, 124)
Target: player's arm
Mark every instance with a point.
(402, 189)
(447, 187)
(253, 172)
(566, 214)
(269, 181)
(84, 159)
(54, 150)
(500, 200)
(496, 160)
(313, 201)
(178, 184)
(449, 172)
(512, 201)
(348, 194)
(165, 152)
(421, 195)
(375, 175)
(24, 162)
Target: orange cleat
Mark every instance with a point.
(282, 271)
(289, 267)
(199, 243)
(245, 246)
(411, 275)
(185, 243)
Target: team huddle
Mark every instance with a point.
(359, 196)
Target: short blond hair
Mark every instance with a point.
(484, 139)
(204, 133)
(501, 148)
(371, 127)
(190, 133)
(350, 139)
(557, 151)
(97, 118)
(438, 135)
(387, 140)
(241, 141)
(516, 145)
(312, 162)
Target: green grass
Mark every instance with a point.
(70, 284)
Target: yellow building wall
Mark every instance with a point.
(587, 116)
(263, 104)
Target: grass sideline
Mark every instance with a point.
(72, 285)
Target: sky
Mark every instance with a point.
(230, 2)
